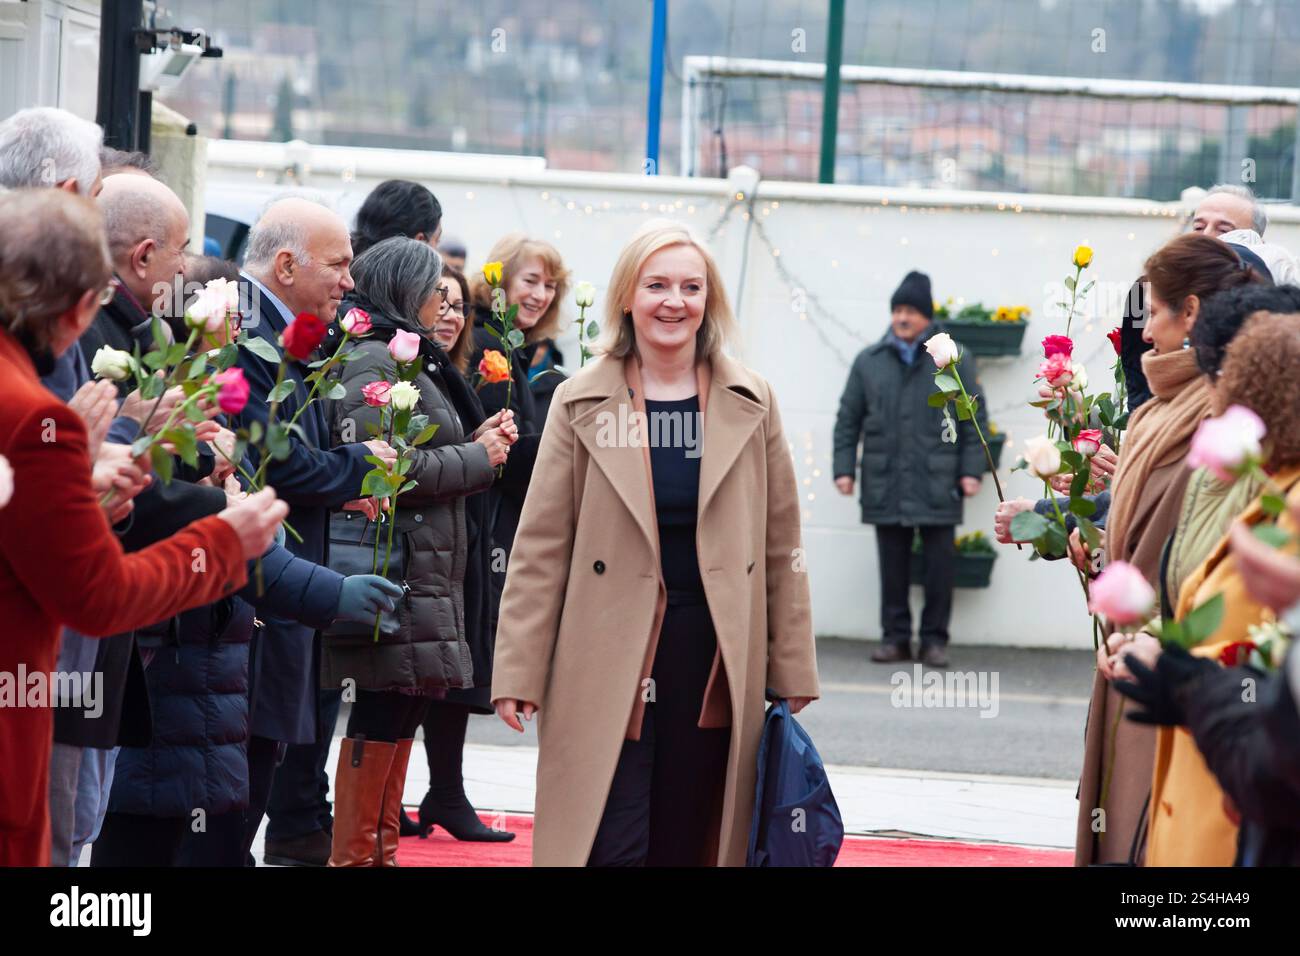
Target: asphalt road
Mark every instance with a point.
(1035, 727)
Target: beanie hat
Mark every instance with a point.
(914, 290)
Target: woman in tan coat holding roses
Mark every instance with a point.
(657, 585)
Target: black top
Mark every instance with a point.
(676, 441)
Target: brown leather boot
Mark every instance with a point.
(359, 801)
(390, 822)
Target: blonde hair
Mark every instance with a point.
(512, 252)
(618, 336)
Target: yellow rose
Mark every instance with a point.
(1083, 256)
(492, 272)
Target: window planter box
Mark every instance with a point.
(970, 571)
(988, 338)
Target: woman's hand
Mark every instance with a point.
(497, 443)
(502, 419)
(254, 519)
(508, 710)
(1002, 518)
(96, 403)
(117, 472)
(1271, 577)
(1081, 556)
(1144, 648)
(1102, 466)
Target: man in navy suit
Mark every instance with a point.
(297, 261)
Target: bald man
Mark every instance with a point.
(1227, 208)
(148, 232)
(297, 261)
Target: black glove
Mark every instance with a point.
(1163, 691)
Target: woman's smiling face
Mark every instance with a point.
(531, 288)
(668, 301)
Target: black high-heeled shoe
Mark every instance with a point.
(457, 817)
(408, 827)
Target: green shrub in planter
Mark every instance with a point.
(972, 566)
(986, 332)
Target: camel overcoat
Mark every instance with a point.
(584, 593)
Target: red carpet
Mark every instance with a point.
(442, 850)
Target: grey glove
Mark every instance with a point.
(365, 595)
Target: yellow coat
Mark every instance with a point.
(1188, 825)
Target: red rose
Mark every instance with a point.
(1058, 345)
(1237, 653)
(1114, 336)
(303, 335)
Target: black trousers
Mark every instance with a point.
(128, 839)
(263, 756)
(894, 547)
(298, 803)
(665, 803)
(386, 715)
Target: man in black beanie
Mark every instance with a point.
(912, 481)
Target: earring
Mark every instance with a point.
(1187, 342)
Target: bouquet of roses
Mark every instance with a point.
(403, 430)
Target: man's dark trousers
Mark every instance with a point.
(894, 546)
(298, 804)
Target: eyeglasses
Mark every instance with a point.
(457, 309)
(108, 292)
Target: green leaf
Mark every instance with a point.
(1272, 504)
(1077, 487)
(162, 463)
(1028, 526)
(277, 441)
(407, 487)
(152, 387)
(428, 432)
(261, 348)
(186, 445)
(282, 391)
(228, 356)
(176, 354)
(1089, 533)
(1055, 540)
(593, 329)
(255, 433)
(1070, 458)
(337, 391)
(515, 338)
(946, 383)
(372, 483)
(1083, 507)
(1272, 535)
(197, 368)
(377, 462)
(937, 399)
(154, 361)
(373, 431)
(160, 340)
(141, 445)
(1203, 621)
(1069, 283)
(193, 414)
(510, 316)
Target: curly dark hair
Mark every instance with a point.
(1259, 372)
(1222, 315)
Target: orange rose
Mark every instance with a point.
(494, 367)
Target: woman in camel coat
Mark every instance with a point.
(602, 631)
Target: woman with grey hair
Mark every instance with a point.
(421, 650)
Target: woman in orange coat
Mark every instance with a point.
(60, 564)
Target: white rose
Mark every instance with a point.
(1043, 457)
(942, 349)
(111, 363)
(584, 294)
(208, 310)
(1079, 377)
(403, 396)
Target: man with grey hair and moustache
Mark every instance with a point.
(1227, 207)
(297, 261)
(44, 146)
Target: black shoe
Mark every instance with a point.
(457, 817)
(891, 653)
(310, 850)
(934, 656)
(408, 827)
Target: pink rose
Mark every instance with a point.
(356, 322)
(1121, 594)
(232, 391)
(1088, 442)
(404, 346)
(1056, 371)
(1227, 445)
(1058, 345)
(376, 393)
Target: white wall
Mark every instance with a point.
(847, 247)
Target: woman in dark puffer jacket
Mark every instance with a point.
(397, 285)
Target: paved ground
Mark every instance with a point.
(1042, 701)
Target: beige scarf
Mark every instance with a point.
(1159, 433)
